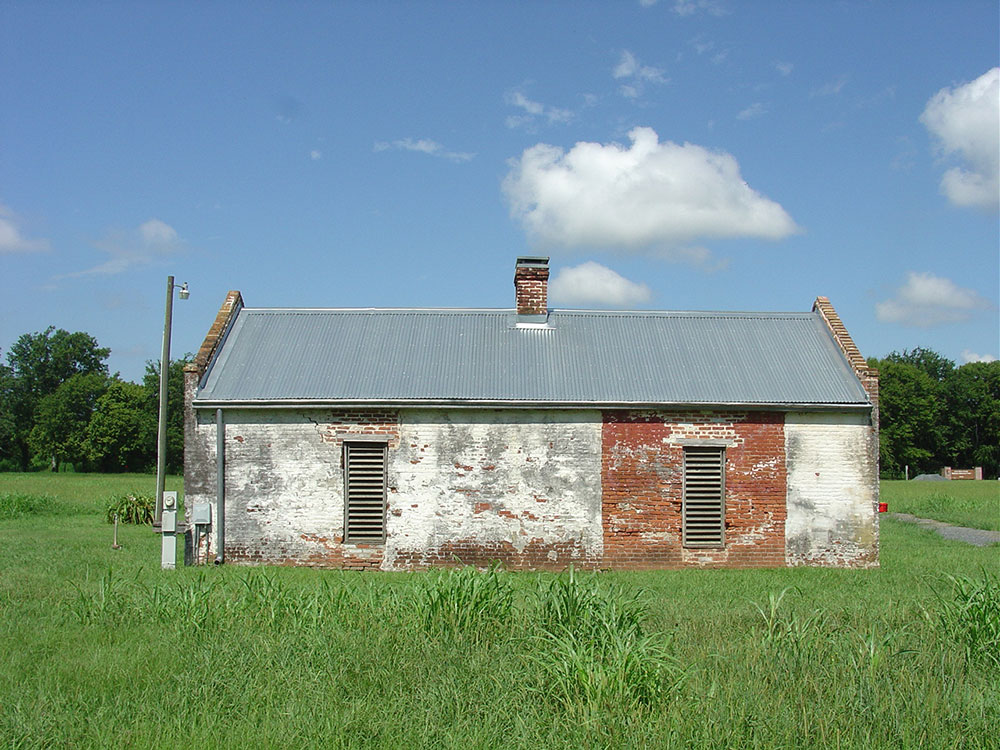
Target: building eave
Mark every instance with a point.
(519, 404)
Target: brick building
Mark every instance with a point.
(401, 439)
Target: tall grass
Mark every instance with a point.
(465, 603)
(19, 505)
(789, 634)
(969, 615)
(100, 648)
(592, 653)
(296, 658)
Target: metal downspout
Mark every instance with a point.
(220, 485)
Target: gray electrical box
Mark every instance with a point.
(201, 514)
(170, 500)
(168, 524)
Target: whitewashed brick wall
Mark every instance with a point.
(832, 490)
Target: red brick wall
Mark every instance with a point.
(642, 483)
(531, 284)
(326, 553)
(344, 425)
(535, 555)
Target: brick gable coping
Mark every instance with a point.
(230, 307)
(867, 375)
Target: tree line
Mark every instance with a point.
(59, 405)
(934, 414)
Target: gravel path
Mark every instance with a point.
(978, 537)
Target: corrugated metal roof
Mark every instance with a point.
(483, 355)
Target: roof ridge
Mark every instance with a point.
(555, 311)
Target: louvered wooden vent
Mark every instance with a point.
(364, 477)
(704, 496)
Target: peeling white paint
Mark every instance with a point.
(832, 490)
(518, 478)
(539, 473)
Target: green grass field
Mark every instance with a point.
(973, 504)
(100, 648)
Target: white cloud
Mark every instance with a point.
(532, 110)
(591, 283)
(518, 99)
(966, 120)
(149, 242)
(423, 146)
(11, 239)
(927, 300)
(685, 8)
(970, 356)
(629, 67)
(649, 196)
(831, 88)
(315, 155)
(635, 75)
(785, 68)
(157, 234)
(702, 45)
(757, 109)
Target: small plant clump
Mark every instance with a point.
(466, 603)
(131, 507)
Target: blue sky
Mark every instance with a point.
(680, 154)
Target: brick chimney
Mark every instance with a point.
(531, 284)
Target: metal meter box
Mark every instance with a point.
(201, 514)
(169, 520)
(170, 500)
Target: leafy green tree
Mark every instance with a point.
(910, 408)
(118, 435)
(62, 418)
(7, 426)
(175, 409)
(934, 414)
(926, 360)
(972, 420)
(42, 361)
(38, 363)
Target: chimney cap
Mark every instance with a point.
(533, 260)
